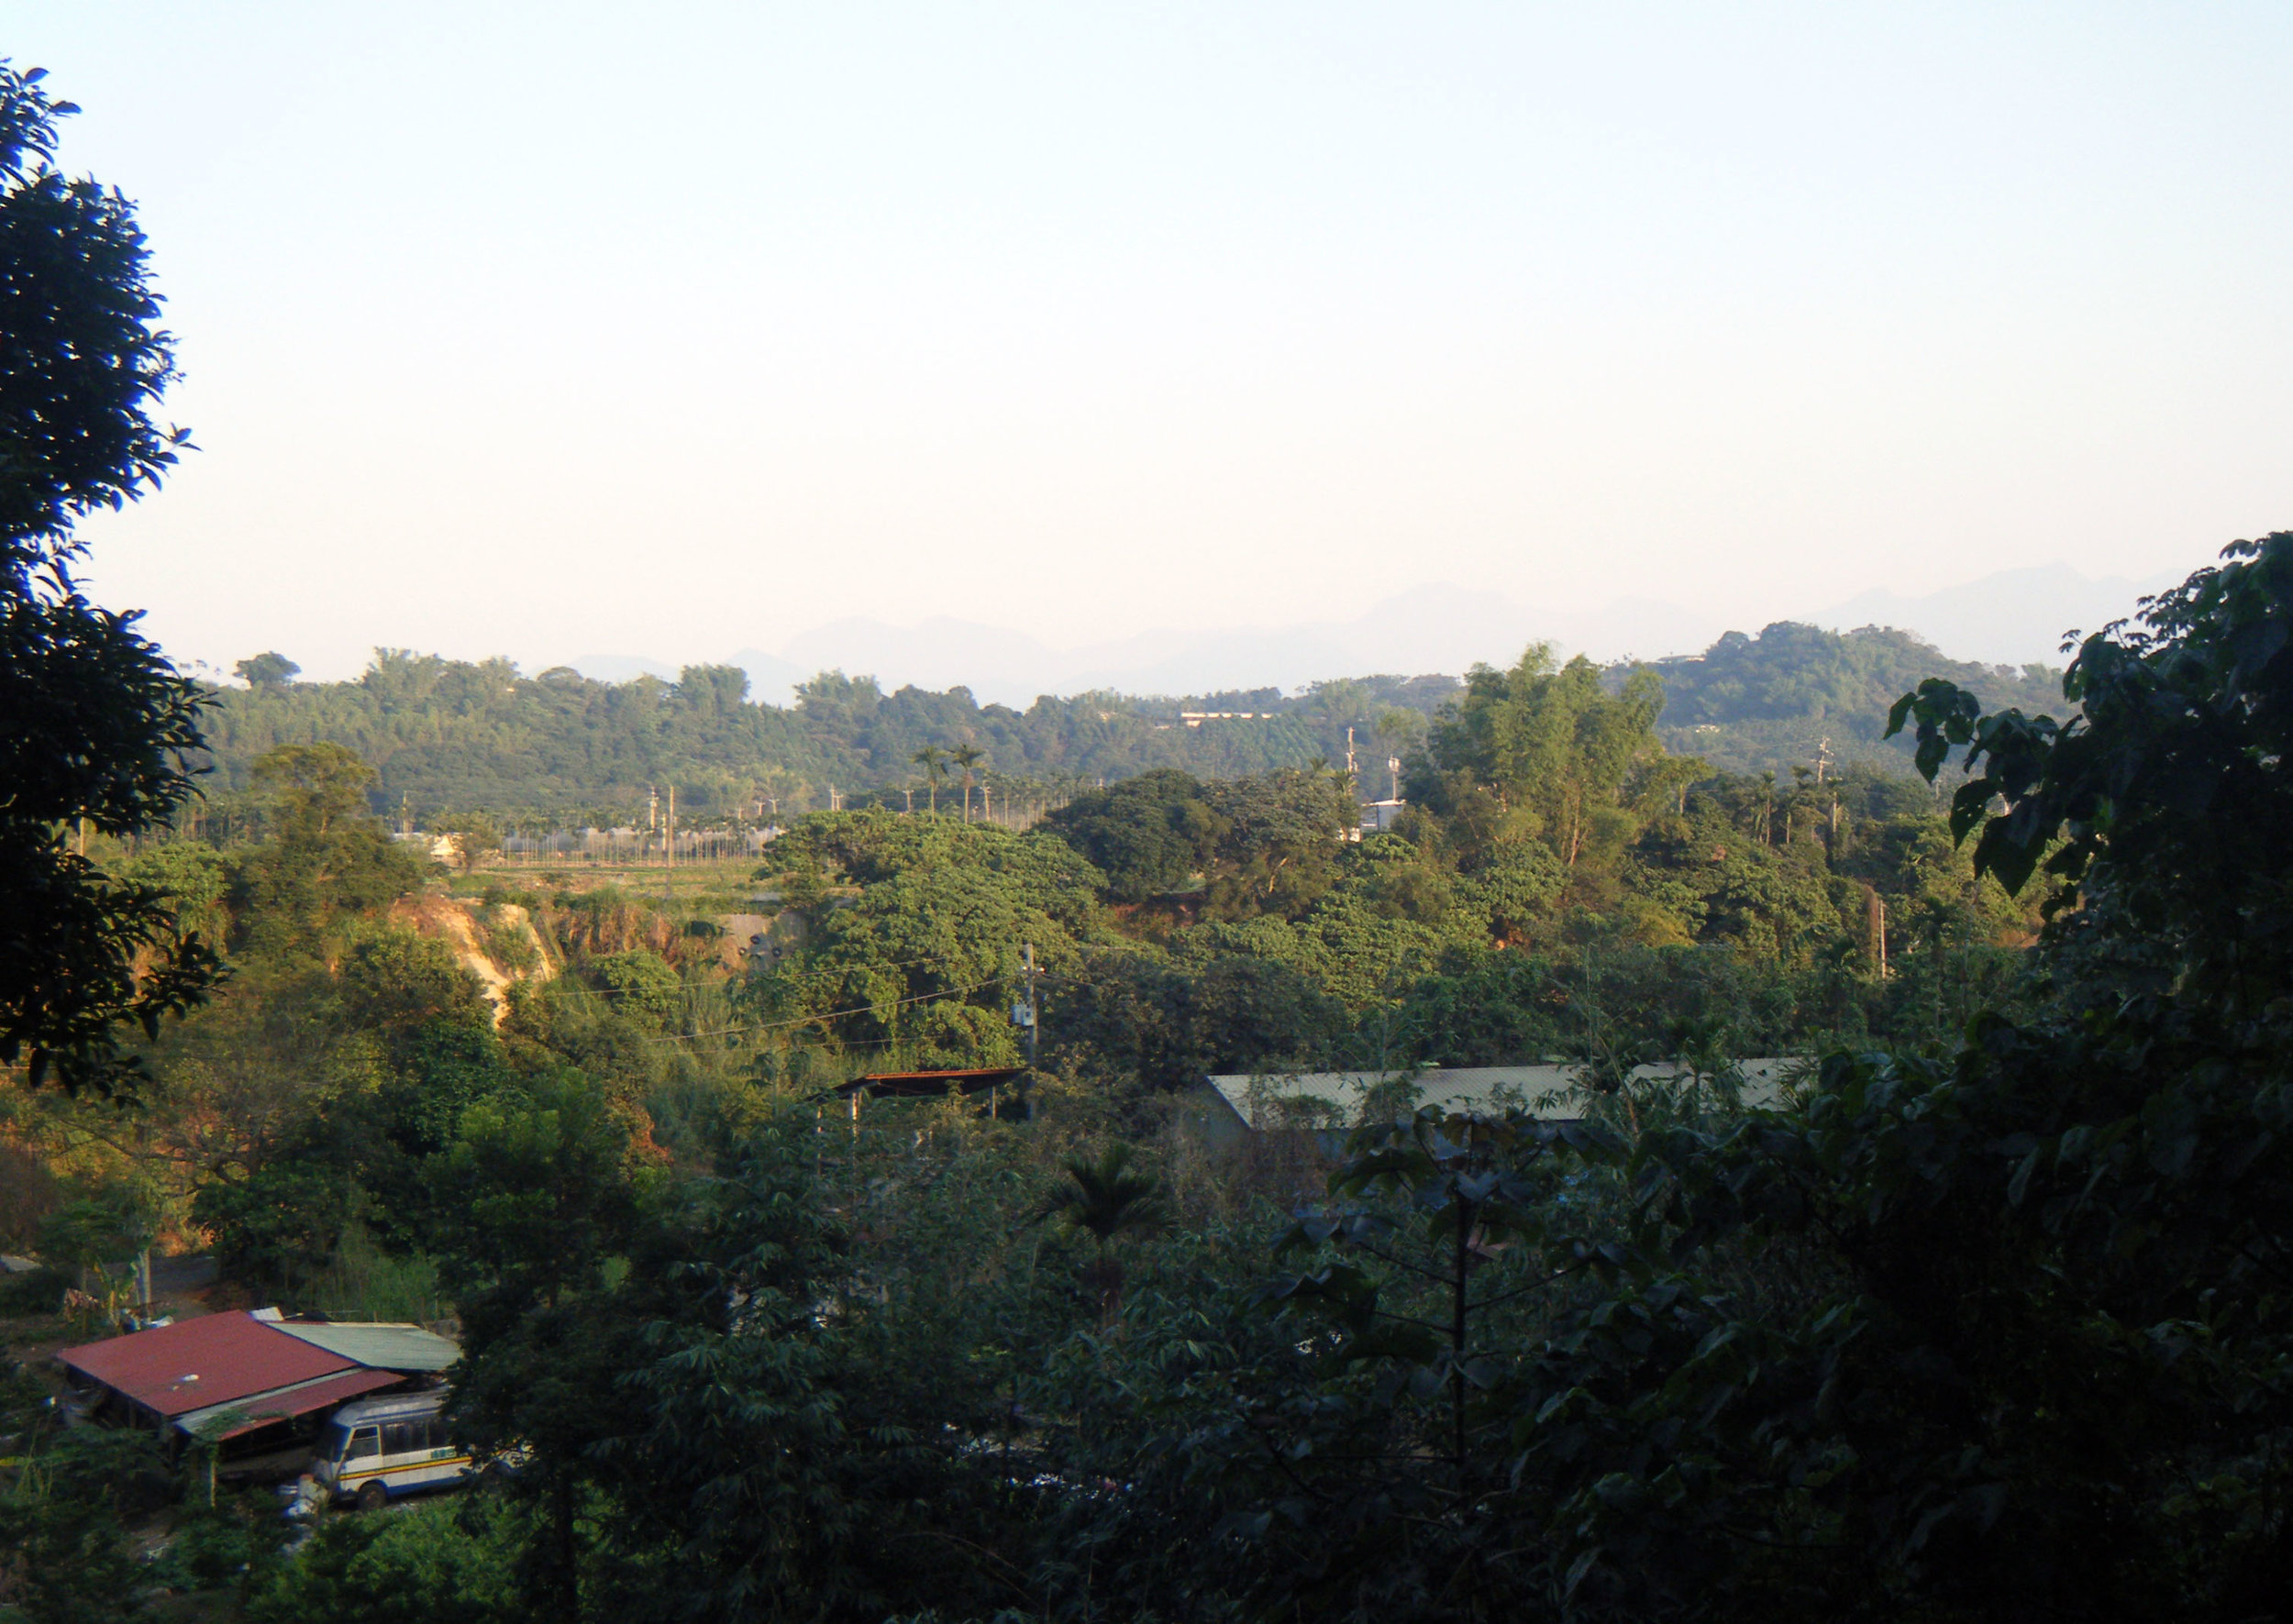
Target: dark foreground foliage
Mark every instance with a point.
(95, 725)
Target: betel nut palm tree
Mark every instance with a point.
(933, 761)
(1110, 1200)
(967, 756)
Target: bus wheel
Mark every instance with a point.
(373, 1498)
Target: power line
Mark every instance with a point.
(922, 998)
(690, 990)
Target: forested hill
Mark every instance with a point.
(1754, 703)
(453, 737)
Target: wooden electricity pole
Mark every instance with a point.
(1035, 1022)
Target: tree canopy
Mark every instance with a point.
(95, 725)
(451, 737)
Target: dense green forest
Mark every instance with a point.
(451, 737)
(1770, 702)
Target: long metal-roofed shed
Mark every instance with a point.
(1235, 1106)
(214, 1361)
(270, 1381)
(927, 1085)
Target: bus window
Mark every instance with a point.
(364, 1441)
(331, 1443)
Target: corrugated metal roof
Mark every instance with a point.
(1335, 1099)
(215, 1359)
(920, 1083)
(391, 1407)
(263, 1408)
(382, 1345)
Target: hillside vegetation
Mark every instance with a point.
(450, 735)
(1769, 703)
(453, 737)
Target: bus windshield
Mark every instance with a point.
(339, 1442)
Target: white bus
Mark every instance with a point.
(377, 1448)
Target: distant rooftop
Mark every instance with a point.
(1340, 1097)
(920, 1084)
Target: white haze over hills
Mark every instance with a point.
(2015, 617)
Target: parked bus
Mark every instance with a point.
(378, 1449)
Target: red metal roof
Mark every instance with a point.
(199, 1363)
(263, 1408)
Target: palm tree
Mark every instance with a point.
(1107, 1200)
(933, 761)
(968, 758)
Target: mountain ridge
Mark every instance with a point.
(2014, 617)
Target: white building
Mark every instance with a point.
(1378, 816)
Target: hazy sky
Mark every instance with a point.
(674, 328)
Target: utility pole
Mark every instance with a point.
(1027, 953)
(1823, 759)
(1352, 776)
(1034, 1024)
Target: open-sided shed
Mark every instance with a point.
(252, 1380)
(993, 1081)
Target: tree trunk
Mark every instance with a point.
(557, 1582)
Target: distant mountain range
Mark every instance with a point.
(2015, 617)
